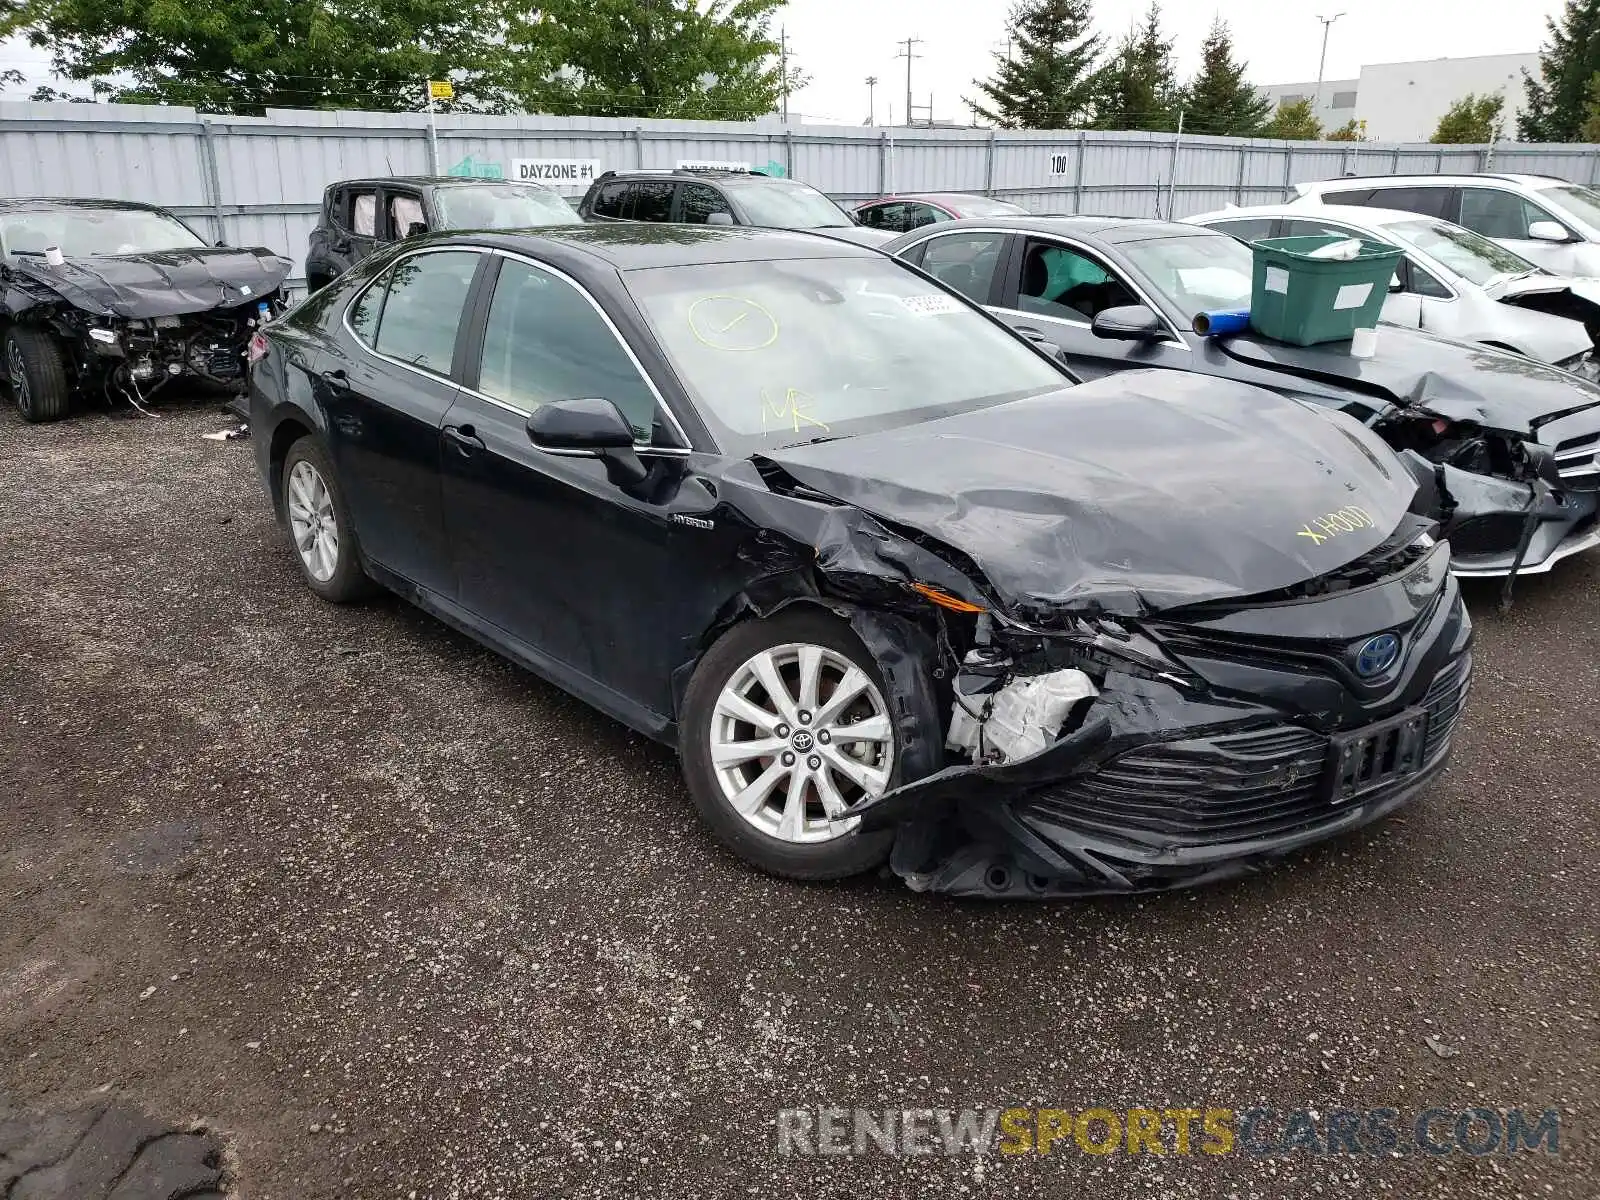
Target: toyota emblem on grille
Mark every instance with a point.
(1376, 655)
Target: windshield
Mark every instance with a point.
(1583, 203)
(778, 353)
(787, 206)
(501, 206)
(1472, 256)
(1197, 273)
(86, 232)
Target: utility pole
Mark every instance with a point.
(1327, 23)
(783, 68)
(908, 54)
(872, 108)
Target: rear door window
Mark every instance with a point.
(882, 216)
(965, 261)
(421, 311)
(610, 199)
(1429, 201)
(405, 210)
(650, 200)
(364, 212)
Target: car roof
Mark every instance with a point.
(719, 174)
(1356, 214)
(634, 245)
(431, 180)
(1356, 181)
(939, 197)
(16, 203)
(1107, 229)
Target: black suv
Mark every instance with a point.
(702, 197)
(359, 216)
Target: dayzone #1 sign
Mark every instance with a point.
(556, 172)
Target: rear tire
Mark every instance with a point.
(37, 373)
(320, 531)
(768, 762)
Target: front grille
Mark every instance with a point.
(1242, 786)
(1578, 462)
(1229, 788)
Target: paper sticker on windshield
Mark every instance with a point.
(933, 304)
(1352, 295)
(1277, 280)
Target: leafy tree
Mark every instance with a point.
(1471, 120)
(1295, 121)
(1139, 87)
(1590, 130)
(1557, 102)
(243, 56)
(1052, 83)
(645, 58)
(1351, 131)
(1218, 100)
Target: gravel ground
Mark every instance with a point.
(396, 919)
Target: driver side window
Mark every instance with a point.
(1067, 284)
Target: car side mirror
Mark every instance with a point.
(1128, 323)
(416, 228)
(1547, 231)
(589, 427)
(719, 218)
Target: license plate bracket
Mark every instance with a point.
(1378, 755)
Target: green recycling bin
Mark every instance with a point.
(1303, 300)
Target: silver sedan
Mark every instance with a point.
(1452, 282)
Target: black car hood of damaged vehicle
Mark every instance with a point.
(1137, 492)
(161, 283)
(1455, 380)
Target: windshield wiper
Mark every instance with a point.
(832, 437)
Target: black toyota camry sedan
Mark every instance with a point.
(893, 585)
(1512, 445)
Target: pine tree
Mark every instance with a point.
(1294, 121)
(1051, 83)
(1219, 101)
(1470, 121)
(1139, 87)
(1558, 101)
(1590, 130)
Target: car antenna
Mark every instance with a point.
(387, 163)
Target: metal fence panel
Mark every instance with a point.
(259, 180)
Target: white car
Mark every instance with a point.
(1550, 221)
(1451, 282)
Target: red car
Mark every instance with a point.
(902, 214)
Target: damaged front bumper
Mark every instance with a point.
(1164, 785)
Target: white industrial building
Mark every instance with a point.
(1402, 102)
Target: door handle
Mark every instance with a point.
(1030, 331)
(463, 439)
(336, 379)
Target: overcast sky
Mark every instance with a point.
(841, 42)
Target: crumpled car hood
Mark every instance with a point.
(1528, 285)
(1137, 492)
(163, 283)
(1454, 380)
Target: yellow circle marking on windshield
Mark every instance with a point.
(732, 323)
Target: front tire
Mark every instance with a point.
(784, 725)
(37, 373)
(320, 531)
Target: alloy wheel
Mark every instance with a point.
(799, 736)
(312, 521)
